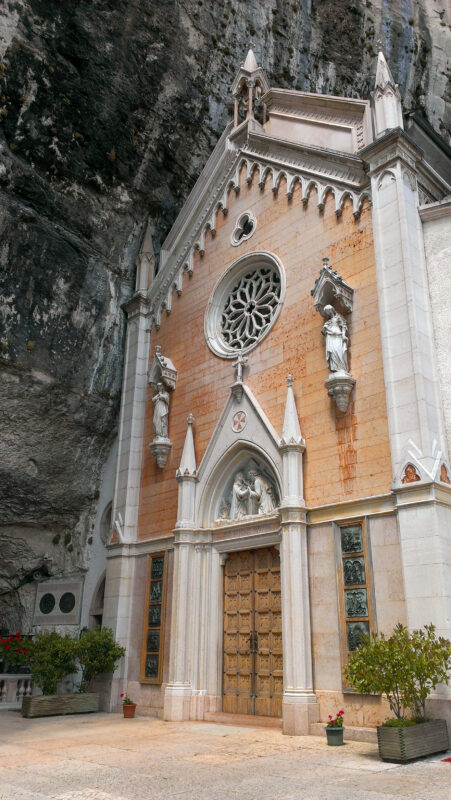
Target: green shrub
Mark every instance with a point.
(52, 658)
(406, 667)
(97, 653)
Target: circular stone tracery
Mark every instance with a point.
(250, 308)
(244, 304)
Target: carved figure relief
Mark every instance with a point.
(444, 477)
(410, 474)
(252, 493)
(335, 331)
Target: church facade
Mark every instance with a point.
(283, 482)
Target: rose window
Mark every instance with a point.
(250, 308)
(244, 304)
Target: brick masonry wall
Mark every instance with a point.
(347, 456)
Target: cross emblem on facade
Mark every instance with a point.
(238, 364)
(239, 421)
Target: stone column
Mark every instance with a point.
(120, 566)
(299, 706)
(414, 403)
(177, 696)
(185, 590)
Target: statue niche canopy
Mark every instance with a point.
(249, 491)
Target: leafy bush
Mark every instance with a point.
(97, 653)
(406, 667)
(52, 658)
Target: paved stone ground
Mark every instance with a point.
(104, 757)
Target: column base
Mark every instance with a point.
(177, 702)
(299, 711)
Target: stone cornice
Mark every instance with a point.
(394, 145)
(138, 303)
(435, 210)
(397, 145)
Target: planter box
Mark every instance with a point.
(404, 744)
(50, 705)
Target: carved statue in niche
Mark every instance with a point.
(331, 288)
(335, 331)
(161, 411)
(261, 493)
(252, 493)
(162, 379)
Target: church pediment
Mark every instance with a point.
(244, 444)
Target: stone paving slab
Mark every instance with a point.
(104, 757)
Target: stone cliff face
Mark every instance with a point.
(108, 111)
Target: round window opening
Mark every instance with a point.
(244, 304)
(47, 603)
(67, 602)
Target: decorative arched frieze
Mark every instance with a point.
(185, 263)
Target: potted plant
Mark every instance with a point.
(128, 706)
(53, 657)
(406, 667)
(334, 729)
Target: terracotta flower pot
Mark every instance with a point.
(129, 710)
(334, 736)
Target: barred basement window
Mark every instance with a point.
(355, 596)
(244, 304)
(152, 652)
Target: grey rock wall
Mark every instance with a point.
(108, 111)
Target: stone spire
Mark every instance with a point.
(187, 465)
(249, 84)
(291, 431)
(292, 446)
(250, 65)
(387, 108)
(187, 478)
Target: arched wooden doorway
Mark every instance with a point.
(253, 666)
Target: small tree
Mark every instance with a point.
(97, 653)
(430, 658)
(52, 658)
(405, 667)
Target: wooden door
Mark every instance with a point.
(253, 676)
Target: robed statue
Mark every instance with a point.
(161, 411)
(335, 331)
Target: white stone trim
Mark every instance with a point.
(241, 221)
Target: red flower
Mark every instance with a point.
(11, 638)
(340, 713)
(17, 635)
(19, 650)
(24, 651)
(122, 695)
(6, 646)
